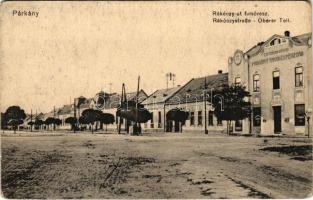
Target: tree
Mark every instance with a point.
(14, 116)
(57, 121)
(178, 115)
(72, 121)
(106, 118)
(49, 121)
(31, 123)
(231, 103)
(90, 116)
(38, 122)
(4, 121)
(14, 123)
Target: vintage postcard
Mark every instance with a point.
(156, 99)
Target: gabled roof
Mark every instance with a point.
(86, 103)
(160, 96)
(114, 99)
(66, 109)
(302, 39)
(34, 117)
(296, 40)
(194, 89)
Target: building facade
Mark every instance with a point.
(111, 103)
(155, 103)
(278, 75)
(195, 97)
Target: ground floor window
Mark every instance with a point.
(299, 115)
(151, 121)
(257, 116)
(210, 121)
(192, 118)
(199, 118)
(219, 122)
(159, 119)
(238, 125)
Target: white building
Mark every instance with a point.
(278, 75)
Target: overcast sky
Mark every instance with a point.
(78, 48)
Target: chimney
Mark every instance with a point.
(287, 33)
(220, 71)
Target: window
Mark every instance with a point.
(299, 115)
(151, 121)
(159, 119)
(257, 116)
(199, 118)
(256, 83)
(192, 118)
(219, 122)
(237, 81)
(210, 121)
(238, 125)
(275, 42)
(276, 80)
(298, 76)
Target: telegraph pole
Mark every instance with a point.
(136, 131)
(120, 118)
(54, 118)
(31, 120)
(74, 116)
(205, 110)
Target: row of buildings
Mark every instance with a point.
(277, 73)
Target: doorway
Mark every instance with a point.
(277, 119)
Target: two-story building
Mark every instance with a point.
(278, 75)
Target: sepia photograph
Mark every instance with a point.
(156, 99)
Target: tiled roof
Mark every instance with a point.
(302, 39)
(86, 104)
(193, 90)
(66, 109)
(160, 96)
(114, 99)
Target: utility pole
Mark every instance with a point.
(31, 120)
(54, 118)
(205, 110)
(120, 118)
(74, 116)
(136, 131)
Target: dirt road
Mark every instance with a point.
(157, 166)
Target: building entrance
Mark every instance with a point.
(277, 119)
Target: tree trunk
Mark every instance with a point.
(91, 128)
(181, 127)
(106, 128)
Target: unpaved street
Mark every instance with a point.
(154, 166)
